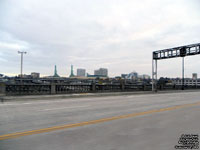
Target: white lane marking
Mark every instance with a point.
(65, 108)
(26, 103)
(4, 104)
(10, 104)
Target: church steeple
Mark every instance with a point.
(55, 72)
(72, 72)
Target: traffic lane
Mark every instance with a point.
(149, 132)
(103, 101)
(102, 98)
(59, 118)
(59, 127)
(14, 122)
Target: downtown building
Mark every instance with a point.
(35, 75)
(101, 72)
(81, 72)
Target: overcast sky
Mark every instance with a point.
(116, 34)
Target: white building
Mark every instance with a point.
(101, 72)
(145, 76)
(81, 72)
(194, 76)
(35, 75)
(187, 81)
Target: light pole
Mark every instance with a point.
(22, 53)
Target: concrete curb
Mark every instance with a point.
(81, 95)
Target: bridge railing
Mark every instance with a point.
(39, 89)
(177, 87)
(30, 89)
(135, 87)
(108, 87)
(62, 89)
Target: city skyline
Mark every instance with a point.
(118, 35)
(80, 72)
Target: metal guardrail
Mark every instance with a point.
(30, 89)
(108, 87)
(61, 89)
(42, 89)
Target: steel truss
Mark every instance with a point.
(181, 51)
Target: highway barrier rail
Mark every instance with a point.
(45, 89)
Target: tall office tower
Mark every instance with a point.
(81, 72)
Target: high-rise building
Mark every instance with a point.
(81, 72)
(102, 72)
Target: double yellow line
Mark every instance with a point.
(54, 128)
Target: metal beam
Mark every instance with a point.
(181, 51)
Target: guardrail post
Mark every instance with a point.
(174, 87)
(93, 87)
(144, 87)
(122, 84)
(2, 88)
(53, 89)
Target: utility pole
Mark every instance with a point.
(22, 53)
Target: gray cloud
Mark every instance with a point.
(119, 35)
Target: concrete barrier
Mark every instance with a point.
(2, 91)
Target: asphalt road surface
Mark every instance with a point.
(128, 122)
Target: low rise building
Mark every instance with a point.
(194, 76)
(187, 81)
(35, 75)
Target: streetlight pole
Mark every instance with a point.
(22, 54)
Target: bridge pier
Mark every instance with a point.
(93, 87)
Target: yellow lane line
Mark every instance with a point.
(38, 131)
